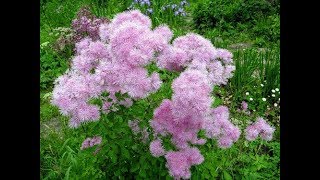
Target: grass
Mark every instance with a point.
(256, 56)
(253, 68)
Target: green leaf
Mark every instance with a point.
(67, 173)
(143, 173)
(125, 153)
(112, 156)
(226, 175)
(135, 167)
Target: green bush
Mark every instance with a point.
(268, 28)
(52, 65)
(226, 14)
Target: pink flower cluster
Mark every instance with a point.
(156, 148)
(260, 127)
(134, 125)
(86, 24)
(196, 52)
(89, 142)
(244, 106)
(179, 163)
(184, 116)
(116, 63)
(220, 128)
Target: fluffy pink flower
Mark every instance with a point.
(89, 142)
(156, 148)
(224, 55)
(244, 106)
(196, 47)
(127, 102)
(172, 59)
(260, 127)
(165, 31)
(134, 125)
(220, 128)
(180, 162)
(104, 32)
(251, 133)
(224, 142)
(134, 16)
(155, 81)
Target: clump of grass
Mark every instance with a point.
(255, 67)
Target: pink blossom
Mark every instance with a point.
(244, 106)
(89, 142)
(156, 148)
(260, 127)
(134, 125)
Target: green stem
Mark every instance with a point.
(259, 147)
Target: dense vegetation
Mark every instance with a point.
(250, 29)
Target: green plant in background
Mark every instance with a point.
(255, 67)
(256, 18)
(52, 66)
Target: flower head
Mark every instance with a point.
(244, 105)
(89, 142)
(156, 148)
(260, 127)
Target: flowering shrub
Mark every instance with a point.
(113, 64)
(111, 69)
(84, 25)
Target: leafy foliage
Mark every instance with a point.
(259, 18)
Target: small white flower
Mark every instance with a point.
(275, 104)
(265, 81)
(264, 99)
(254, 110)
(251, 99)
(277, 89)
(261, 85)
(247, 93)
(273, 91)
(279, 99)
(273, 95)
